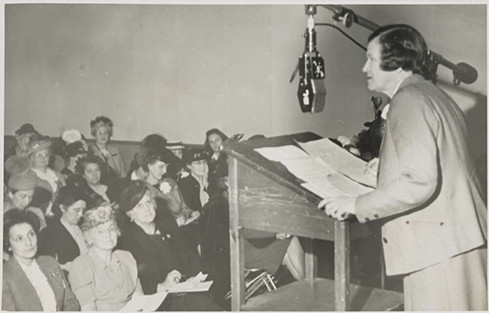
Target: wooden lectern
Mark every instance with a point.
(264, 195)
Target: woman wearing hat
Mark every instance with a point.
(162, 255)
(20, 190)
(63, 238)
(165, 190)
(74, 147)
(22, 136)
(47, 179)
(102, 278)
(194, 185)
(31, 283)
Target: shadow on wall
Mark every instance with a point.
(474, 106)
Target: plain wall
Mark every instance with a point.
(180, 70)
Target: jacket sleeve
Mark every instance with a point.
(147, 277)
(413, 129)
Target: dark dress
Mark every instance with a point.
(56, 241)
(190, 189)
(218, 171)
(157, 255)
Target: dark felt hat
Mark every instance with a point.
(25, 129)
(194, 154)
(132, 194)
(37, 143)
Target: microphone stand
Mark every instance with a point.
(462, 72)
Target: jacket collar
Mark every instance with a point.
(411, 80)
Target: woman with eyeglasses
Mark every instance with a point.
(48, 180)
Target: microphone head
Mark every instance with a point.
(465, 73)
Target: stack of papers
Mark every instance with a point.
(193, 284)
(146, 303)
(328, 170)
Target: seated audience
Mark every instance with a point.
(20, 190)
(31, 283)
(63, 238)
(48, 180)
(217, 160)
(101, 128)
(102, 278)
(162, 256)
(194, 185)
(89, 168)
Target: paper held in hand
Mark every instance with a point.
(145, 303)
(193, 284)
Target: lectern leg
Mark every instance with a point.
(342, 265)
(235, 240)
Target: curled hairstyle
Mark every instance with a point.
(402, 46)
(14, 217)
(100, 121)
(153, 155)
(67, 195)
(210, 132)
(83, 162)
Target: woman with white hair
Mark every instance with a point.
(103, 279)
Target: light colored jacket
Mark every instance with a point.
(18, 294)
(427, 189)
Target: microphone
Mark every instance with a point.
(464, 73)
(311, 91)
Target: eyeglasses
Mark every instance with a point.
(43, 155)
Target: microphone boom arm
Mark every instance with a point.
(462, 72)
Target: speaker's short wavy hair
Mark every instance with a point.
(402, 46)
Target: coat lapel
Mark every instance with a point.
(24, 283)
(55, 279)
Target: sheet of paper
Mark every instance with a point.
(282, 153)
(191, 286)
(145, 303)
(334, 185)
(308, 168)
(340, 160)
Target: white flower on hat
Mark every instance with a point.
(165, 187)
(71, 136)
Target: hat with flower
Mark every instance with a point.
(38, 142)
(97, 216)
(75, 143)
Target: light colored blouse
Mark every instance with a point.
(40, 283)
(110, 286)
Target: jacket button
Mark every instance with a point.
(367, 219)
(376, 215)
(407, 222)
(441, 224)
(384, 239)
